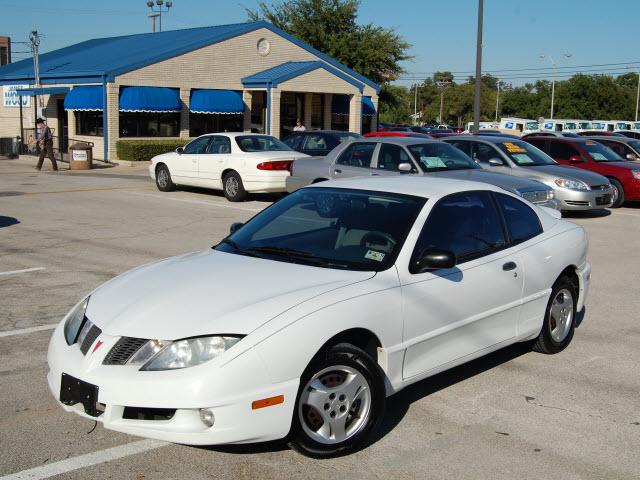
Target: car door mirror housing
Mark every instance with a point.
(180, 150)
(235, 226)
(405, 167)
(495, 162)
(433, 259)
(575, 159)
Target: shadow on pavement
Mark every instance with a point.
(603, 212)
(8, 221)
(253, 197)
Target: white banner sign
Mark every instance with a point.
(10, 97)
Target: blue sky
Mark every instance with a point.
(442, 32)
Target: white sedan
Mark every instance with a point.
(302, 321)
(236, 163)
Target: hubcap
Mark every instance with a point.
(163, 178)
(561, 317)
(335, 404)
(231, 186)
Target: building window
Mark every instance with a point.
(89, 123)
(149, 124)
(291, 109)
(317, 112)
(340, 122)
(201, 123)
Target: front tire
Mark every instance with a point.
(233, 188)
(617, 194)
(341, 401)
(559, 320)
(163, 179)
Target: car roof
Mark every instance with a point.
(485, 138)
(610, 138)
(419, 186)
(236, 134)
(397, 140)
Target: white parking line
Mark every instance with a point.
(196, 202)
(83, 461)
(26, 270)
(22, 331)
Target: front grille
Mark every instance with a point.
(577, 203)
(600, 187)
(603, 200)
(88, 334)
(123, 350)
(139, 413)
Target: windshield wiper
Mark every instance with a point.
(293, 254)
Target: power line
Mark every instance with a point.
(536, 69)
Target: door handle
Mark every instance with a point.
(337, 171)
(509, 266)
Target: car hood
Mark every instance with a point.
(571, 173)
(208, 292)
(508, 182)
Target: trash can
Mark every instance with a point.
(81, 157)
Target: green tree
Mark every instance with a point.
(331, 27)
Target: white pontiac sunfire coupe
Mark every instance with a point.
(302, 321)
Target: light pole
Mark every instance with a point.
(554, 64)
(476, 102)
(158, 12)
(497, 101)
(637, 95)
(442, 85)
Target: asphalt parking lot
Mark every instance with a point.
(513, 414)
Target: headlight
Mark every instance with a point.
(636, 174)
(571, 184)
(74, 321)
(190, 352)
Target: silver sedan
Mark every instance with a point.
(575, 188)
(389, 156)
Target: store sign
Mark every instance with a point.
(10, 97)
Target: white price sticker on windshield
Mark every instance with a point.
(433, 162)
(373, 255)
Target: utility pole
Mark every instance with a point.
(442, 84)
(554, 64)
(476, 103)
(638, 97)
(34, 38)
(415, 107)
(497, 102)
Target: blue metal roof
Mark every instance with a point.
(101, 59)
(216, 101)
(85, 97)
(281, 73)
(149, 99)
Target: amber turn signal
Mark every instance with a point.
(267, 402)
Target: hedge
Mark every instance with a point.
(139, 150)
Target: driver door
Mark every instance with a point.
(212, 163)
(355, 160)
(186, 164)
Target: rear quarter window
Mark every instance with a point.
(522, 222)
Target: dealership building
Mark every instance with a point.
(183, 83)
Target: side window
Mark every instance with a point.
(466, 224)
(293, 141)
(464, 146)
(619, 148)
(357, 155)
(199, 145)
(391, 156)
(483, 153)
(522, 221)
(314, 142)
(562, 150)
(219, 145)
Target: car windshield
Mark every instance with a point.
(635, 144)
(524, 154)
(437, 157)
(600, 153)
(597, 126)
(330, 228)
(532, 126)
(635, 126)
(570, 126)
(346, 136)
(585, 125)
(261, 143)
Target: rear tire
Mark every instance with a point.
(163, 179)
(340, 402)
(233, 188)
(618, 193)
(559, 319)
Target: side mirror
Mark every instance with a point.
(179, 150)
(495, 162)
(631, 156)
(234, 227)
(575, 159)
(433, 259)
(405, 167)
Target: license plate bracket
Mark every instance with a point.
(603, 200)
(73, 390)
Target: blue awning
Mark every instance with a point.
(87, 98)
(368, 109)
(216, 101)
(340, 104)
(149, 99)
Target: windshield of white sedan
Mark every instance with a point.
(261, 143)
(330, 228)
(525, 154)
(436, 157)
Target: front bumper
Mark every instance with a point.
(584, 278)
(227, 390)
(584, 200)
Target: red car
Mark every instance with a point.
(593, 156)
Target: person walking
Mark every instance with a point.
(299, 126)
(45, 140)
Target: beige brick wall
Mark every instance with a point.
(318, 81)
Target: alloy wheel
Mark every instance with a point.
(561, 315)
